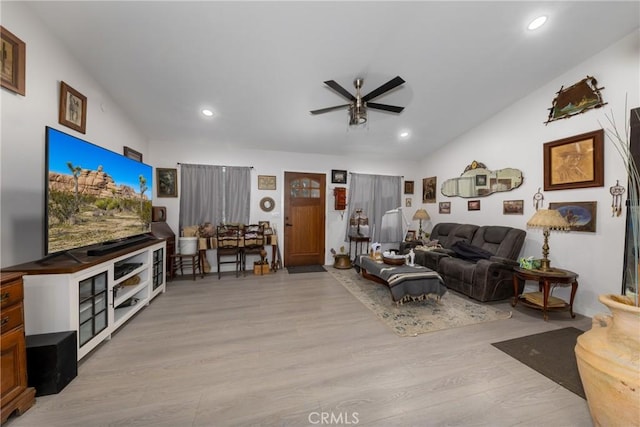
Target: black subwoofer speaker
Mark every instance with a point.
(52, 361)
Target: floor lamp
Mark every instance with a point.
(547, 219)
(421, 214)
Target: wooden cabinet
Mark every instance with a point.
(94, 297)
(15, 395)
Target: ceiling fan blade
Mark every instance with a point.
(326, 110)
(394, 82)
(342, 91)
(385, 107)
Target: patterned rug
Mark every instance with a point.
(416, 317)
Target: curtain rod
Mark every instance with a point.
(360, 173)
(224, 166)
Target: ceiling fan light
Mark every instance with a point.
(358, 115)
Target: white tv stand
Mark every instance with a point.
(94, 297)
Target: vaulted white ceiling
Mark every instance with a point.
(260, 66)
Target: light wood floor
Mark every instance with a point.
(281, 350)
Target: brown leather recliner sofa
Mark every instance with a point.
(475, 260)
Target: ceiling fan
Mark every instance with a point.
(358, 104)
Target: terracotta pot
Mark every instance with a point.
(341, 261)
(608, 359)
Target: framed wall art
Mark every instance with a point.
(473, 205)
(408, 187)
(576, 99)
(266, 182)
(444, 207)
(407, 202)
(411, 236)
(167, 182)
(13, 57)
(133, 154)
(574, 162)
(338, 176)
(73, 108)
(429, 186)
(581, 216)
(513, 207)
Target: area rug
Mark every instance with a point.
(306, 269)
(551, 354)
(416, 317)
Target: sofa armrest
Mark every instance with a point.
(505, 261)
(445, 251)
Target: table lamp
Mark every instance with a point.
(421, 214)
(547, 219)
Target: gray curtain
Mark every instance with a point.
(375, 195)
(215, 194)
(237, 194)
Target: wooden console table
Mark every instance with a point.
(541, 300)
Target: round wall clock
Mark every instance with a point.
(267, 204)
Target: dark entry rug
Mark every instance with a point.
(306, 269)
(551, 354)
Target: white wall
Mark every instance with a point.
(515, 138)
(23, 121)
(276, 163)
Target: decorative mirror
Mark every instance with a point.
(478, 181)
(267, 204)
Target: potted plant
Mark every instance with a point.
(340, 260)
(608, 355)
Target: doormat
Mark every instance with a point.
(306, 269)
(551, 354)
(416, 317)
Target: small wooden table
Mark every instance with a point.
(545, 279)
(358, 241)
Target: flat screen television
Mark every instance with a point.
(94, 197)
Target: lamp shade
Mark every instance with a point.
(421, 214)
(548, 219)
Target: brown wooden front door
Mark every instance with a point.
(304, 218)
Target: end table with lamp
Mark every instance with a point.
(548, 220)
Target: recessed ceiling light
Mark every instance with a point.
(537, 23)
(404, 134)
(207, 112)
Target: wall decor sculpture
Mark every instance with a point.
(576, 99)
(574, 162)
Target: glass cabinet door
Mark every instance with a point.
(93, 307)
(158, 268)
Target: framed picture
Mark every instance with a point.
(133, 154)
(408, 187)
(266, 182)
(338, 176)
(444, 207)
(581, 216)
(576, 99)
(429, 186)
(574, 162)
(167, 180)
(407, 202)
(13, 62)
(264, 224)
(481, 180)
(513, 207)
(411, 236)
(73, 108)
(473, 205)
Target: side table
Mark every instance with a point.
(357, 241)
(545, 279)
